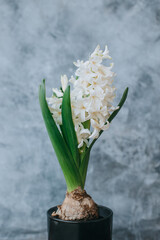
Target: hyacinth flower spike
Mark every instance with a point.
(75, 119)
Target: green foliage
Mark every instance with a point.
(74, 162)
(69, 168)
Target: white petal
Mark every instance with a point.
(105, 126)
(85, 131)
(57, 92)
(86, 142)
(95, 134)
(106, 53)
(64, 82)
(114, 108)
(80, 144)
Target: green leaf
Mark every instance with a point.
(68, 127)
(69, 168)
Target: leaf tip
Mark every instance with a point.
(43, 81)
(127, 89)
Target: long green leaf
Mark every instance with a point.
(85, 160)
(69, 168)
(68, 126)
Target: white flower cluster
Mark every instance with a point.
(91, 97)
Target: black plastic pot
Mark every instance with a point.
(99, 229)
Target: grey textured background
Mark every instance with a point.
(41, 38)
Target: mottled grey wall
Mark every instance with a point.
(41, 38)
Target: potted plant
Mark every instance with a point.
(75, 120)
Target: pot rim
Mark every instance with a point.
(82, 221)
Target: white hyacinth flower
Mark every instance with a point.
(91, 97)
